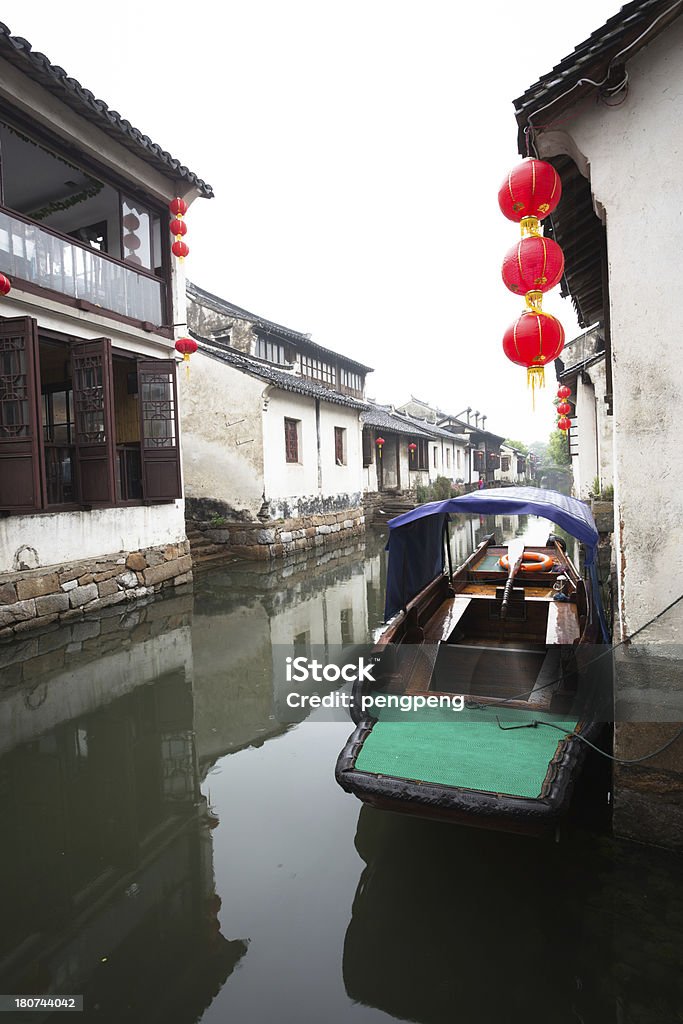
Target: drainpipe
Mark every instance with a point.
(317, 437)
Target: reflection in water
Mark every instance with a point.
(119, 883)
(106, 860)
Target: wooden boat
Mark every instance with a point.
(517, 644)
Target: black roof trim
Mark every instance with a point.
(267, 326)
(592, 59)
(36, 66)
(281, 379)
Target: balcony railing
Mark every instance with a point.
(36, 255)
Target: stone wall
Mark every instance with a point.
(281, 537)
(67, 592)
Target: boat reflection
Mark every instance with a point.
(455, 924)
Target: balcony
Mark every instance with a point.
(45, 259)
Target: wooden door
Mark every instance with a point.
(21, 469)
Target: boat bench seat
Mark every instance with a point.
(445, 619)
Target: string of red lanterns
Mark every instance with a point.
(178, 227)
(563, 407)
(529, 193)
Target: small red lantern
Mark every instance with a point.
(178, 227)
(180, 249)
(187, 347)
(5, 285)
(178, 207)
(563, 392)
(533, 340)
(529, 193)
(379, 441)
(533, 266)
(564, 408)
(412, 448)
(564, 423)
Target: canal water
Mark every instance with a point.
(173, 852)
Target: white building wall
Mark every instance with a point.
(221, 415)
(585, 463)
(634, 155)
(316, 483)
(42, 540)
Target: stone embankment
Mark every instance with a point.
(36, 598)
(274, 539)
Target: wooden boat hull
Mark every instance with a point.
(475, 808)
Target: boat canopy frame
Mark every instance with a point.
(417, 547)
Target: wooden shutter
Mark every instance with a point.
(21, 471)
(94, 433)
(368, 447)
(159, 437)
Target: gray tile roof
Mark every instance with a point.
(279, 378)
(268, 326)
(55, 79)
(634, 20)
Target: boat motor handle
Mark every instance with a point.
(515, 557)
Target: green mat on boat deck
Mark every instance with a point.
(471, 752)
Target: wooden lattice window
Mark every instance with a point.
(161, 480)
(292, 440)
(20, 470)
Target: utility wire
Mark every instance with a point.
(577, 735)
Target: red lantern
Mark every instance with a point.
(180, 249)
(178, 207)
(563, 392)
(564, 408)
(379, 441)
(186, 347)
(412, 448)
(178, 228)
(533, 266)
(533, 340)
(531, 191)
(5, 285)
(564, 423)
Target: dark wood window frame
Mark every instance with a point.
(124, 188)
(340, 446)
(421, 463)
(368, 447)
(22, 447)
(292, 428)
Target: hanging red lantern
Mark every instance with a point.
(178, 227)
(5, 285)
(532, 267)
(187, 347)
(180, 249)
(533, 340)
(529, 193)
(564, 423)
(379, 441)
(564, 408)
(412, 448)
(178, 207)
(563, 392)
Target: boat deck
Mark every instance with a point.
(471, 752)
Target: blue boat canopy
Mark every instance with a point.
(416, 538)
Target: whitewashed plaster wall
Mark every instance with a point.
(634, 153)
(585, 462)
(287, 481)
(347, 479)
(221, 416)
(70, 536)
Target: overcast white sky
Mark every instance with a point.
(356, 151)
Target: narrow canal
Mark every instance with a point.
(174, 852)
